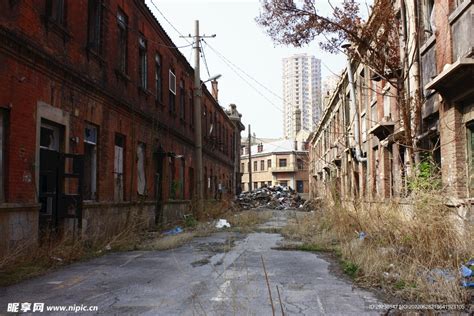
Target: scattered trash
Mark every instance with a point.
(271, 197)
(467, 273)
(362, 235)
(108, 247)
(57, 259)
(174, 231)
(222, 223)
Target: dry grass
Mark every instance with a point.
(413, 253)
(247, 220)
(26, 260)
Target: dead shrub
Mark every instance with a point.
(26, 260)
(412, 250)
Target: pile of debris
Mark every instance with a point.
(274, 197)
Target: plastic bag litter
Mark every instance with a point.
(222, 223)
(465, 271)
(174, 231)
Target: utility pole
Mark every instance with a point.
(250, 159)
(199, 182)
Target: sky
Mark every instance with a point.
(242, 53)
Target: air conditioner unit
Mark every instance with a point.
(172, 82)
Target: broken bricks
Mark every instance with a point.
(273, 197)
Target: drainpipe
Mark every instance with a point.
(358, 154)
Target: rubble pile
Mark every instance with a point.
(274, 197)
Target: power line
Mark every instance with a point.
(171, 24)
(243, 71)
(246, 81)
(205, 61)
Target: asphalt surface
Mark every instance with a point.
(217, 275)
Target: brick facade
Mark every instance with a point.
(52, 73)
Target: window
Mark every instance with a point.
(158, 78)
(300, 164)
(141, 179)
(172, 92)
(242, 167)
(191, 107)
(269, 183)
(470, 152)
(142, 63)
(182, 101)
(118, 167)
(122, 21)
(284, 183)
(363, 122)
(254, 166)
(2, 154)
(269, 163)
(255, 185)
(262, 184)
(56, 11)
(430, 17)
(90, 162)
(95, 25)
(262, 165)
(282, 163)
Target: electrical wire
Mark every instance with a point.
(169, 22)
(204, 59)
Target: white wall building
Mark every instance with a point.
(301, 91)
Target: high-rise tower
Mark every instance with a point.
(301, 94)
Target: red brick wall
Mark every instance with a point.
(41, 63)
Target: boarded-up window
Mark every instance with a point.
(141, 180)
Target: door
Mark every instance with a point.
(50, 145)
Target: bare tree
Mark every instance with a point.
(374, 43)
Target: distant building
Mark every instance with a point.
(282, 162)
(329, 84)
(301, 94)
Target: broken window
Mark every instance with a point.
(2, 154)
(470, 151)
(158, 78)
(299, 186)
(141, 178)
(56, 11)
(90, 162)
(95, 25)
(172, 92)
(282, 163)
(182, 101)
(118, 167)
(122, 21)
(142, 63)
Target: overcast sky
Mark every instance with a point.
(244, 44)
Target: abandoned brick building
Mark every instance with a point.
(356, 150)
(96, 119)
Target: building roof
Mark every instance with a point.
(274, 147)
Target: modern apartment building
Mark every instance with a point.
(301, 94)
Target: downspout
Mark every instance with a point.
(358, 154)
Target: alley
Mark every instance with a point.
(221, 274)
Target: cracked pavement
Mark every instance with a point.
(202, 277)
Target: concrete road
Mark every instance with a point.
(217, 275)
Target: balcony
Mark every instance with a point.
(383, 128)
(283, 169)
(454, 83)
